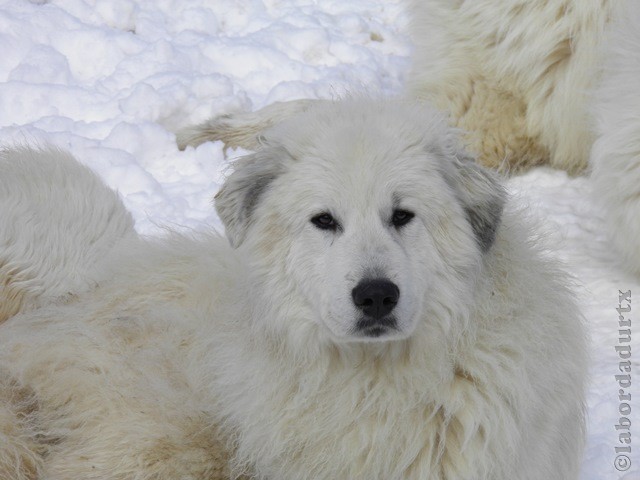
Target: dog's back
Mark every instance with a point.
(57, 219)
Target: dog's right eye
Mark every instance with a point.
(325, 221)
(401, 217)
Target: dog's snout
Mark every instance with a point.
(376, 298)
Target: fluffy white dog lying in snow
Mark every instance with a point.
(381, 313)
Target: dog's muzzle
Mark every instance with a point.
(376, 299)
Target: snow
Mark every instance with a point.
(111, 80)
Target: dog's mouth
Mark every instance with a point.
(374, 332)
(368, 327)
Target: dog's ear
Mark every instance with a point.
(480, 192)
(241, 192)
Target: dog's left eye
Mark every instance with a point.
(401, 217)
(325, 221)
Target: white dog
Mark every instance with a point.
(379, 314)
(615, 157)
(78, 222)
(526, 80)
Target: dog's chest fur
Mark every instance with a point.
(364, 416)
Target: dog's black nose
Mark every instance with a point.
(376, 298)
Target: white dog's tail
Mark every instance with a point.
(57, 220)
(240, 130)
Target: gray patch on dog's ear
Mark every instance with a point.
(481, 194)
(241, 192)
(483, 197)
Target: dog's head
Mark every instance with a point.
(364, 217)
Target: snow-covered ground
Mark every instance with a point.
(110, 80)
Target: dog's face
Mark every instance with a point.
(361, 213)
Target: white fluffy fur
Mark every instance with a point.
(187, 342)
(615, 157)
(58, 220)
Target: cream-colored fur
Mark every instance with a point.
(189, 343)
(241, 131)
(57, 220)
(514, 73)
